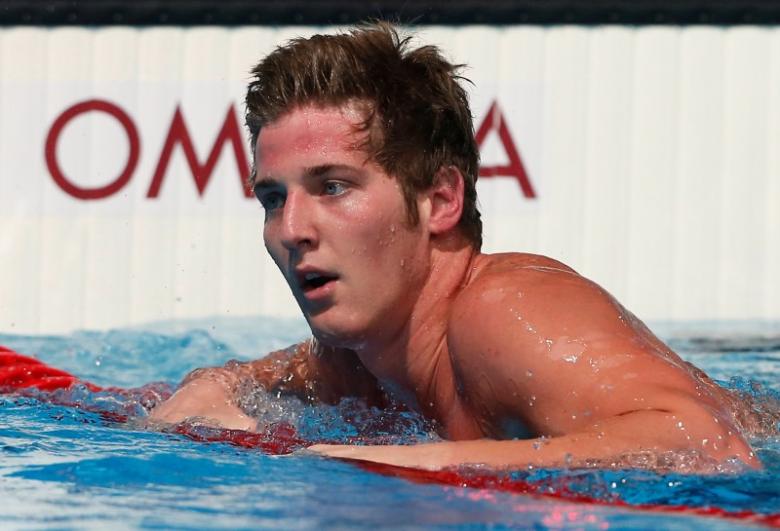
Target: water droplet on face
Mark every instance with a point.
(529, 373)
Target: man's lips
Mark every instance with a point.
(311, 280)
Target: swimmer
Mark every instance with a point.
(365, 163)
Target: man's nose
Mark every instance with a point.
(298, 221)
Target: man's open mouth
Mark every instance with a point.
(312, 280)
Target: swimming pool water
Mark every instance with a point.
(65, 468)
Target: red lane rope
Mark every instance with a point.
(558, 491)
(18, 372)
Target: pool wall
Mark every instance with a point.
(647, 157)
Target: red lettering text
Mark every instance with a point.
(494, 120)
(178, 133)
(54, 135)
(230, 132)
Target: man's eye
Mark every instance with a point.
(334, 188)
(271, 201)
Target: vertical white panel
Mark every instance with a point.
(699, 173)
(743, 248)
(160, 81)
(22, 111)
(607, 139)
(109, 239)
(771, 232)
(651, 217)
(64, 236)
(564, 154)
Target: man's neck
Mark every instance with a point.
(413, 363)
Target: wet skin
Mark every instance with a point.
(517, 358)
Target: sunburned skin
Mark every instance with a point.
(491, 347)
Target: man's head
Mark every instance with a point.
(416, 114)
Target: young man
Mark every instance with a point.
(365, 163)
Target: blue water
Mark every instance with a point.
(65, 468)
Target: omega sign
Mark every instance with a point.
(230, 133)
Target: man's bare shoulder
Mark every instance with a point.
(488, 265)
(527, 327)
(523, 301)
(499, 281)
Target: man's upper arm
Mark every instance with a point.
(556, 350)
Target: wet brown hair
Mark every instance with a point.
(417, 114)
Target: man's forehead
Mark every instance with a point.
(311, 127)
(311, 136)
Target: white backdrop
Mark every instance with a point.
(651, 159)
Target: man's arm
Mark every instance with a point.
(212, 393)
(307, 370)
(209, 396)
(609, 443)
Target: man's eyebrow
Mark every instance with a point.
(265, 182)
(323, 169)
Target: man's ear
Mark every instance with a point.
(446, 200)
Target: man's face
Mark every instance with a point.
(336, 225)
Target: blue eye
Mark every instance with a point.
(271, 200)
(334, 188)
